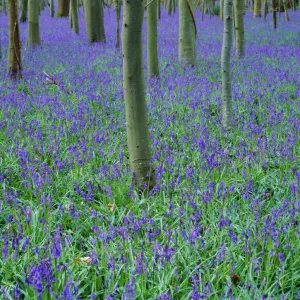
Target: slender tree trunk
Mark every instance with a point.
(152, 57)
(70, 15)
(52, 8)
(134, 95)
(33, 23)
(239, 27)
(274, 17)
(14, 64)
(94, 21)
(225, 65)
(169, 7)
(221, 11)
(74, 15)
(23, 17)
(118, 12)
(287, 18)
(257, 8)
(265, 9)
(187, 34)
(63, 8)
(158, 9)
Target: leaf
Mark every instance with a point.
(111, 207)
(86, 259)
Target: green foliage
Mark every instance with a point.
(215, 10)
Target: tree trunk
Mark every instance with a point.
(225, 65)
(152, 58)
(265, 9)
(74, 15)
(23, 17)
(158, 9)
(169, 7)
(239, 27)
(187, 34)
(94, 21)
(287, 18)
(221, 10)
(52, 8)
(14, 64)
(134, 95)
(63, 8)
(274, 17)
(118, 12)
(33, 23)
(257, 8)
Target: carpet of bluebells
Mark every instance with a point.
(223, 222)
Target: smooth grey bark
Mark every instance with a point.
(118, 13)
(221, 11)
(94, 20)
(152, 56)
(23, 17)
(33, 23)
(225, 65)
(52, 8)
(134, 96)
(74, 16)
(14, 64)
(187, 34)
(239, 27)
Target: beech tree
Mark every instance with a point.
(134, 96)
(239, 27)
(33, 23)
(187, 34)
(152, 57)
(274, 17)
(63, 8)
(257, 8)
(94, 20)
(14, 64)
(74, 16)
(23, 17)
(225, 65)
(52, 8)
(118, 15)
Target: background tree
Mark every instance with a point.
(118, 15)
(221, 10)
(14, 65)
(187, 34)
(74, 16)
(152, 57)
(225, 65)
(257, 8)
(52, 8)
(169, 4)
(239, 27)
(33, 23)
(63, 8)
(23, 17)
(94, 20)
(274, 17)
(285, 6)
(134, 96)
